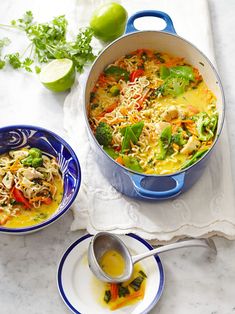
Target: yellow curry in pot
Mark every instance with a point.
(153, 113)
(31, 187)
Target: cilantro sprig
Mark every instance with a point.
(3, 42)
(48, 42)
(24, 22)
(14, 60)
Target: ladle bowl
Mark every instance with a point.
(105, 241)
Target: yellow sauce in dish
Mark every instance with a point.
(129, 299)
(117, 296)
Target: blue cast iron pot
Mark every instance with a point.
(128, 182)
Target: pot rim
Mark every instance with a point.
(222, 115)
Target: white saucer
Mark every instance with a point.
(79, 288)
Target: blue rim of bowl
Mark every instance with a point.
(73, 245)
(60, 213)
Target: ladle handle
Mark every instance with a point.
(207, 243)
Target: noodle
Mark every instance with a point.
(160, 90)
(25, 185)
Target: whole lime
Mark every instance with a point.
(58, 75)
(108, 22)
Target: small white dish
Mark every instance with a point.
(81, 291)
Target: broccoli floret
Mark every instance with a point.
(104, 134)
(35, 152)
(27, 161)
(34, 158)
(37, 162)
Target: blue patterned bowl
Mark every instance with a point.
(18, 136)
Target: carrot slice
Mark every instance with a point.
(114, 291)
(135, 295)
(142, 99)
(188, 121)
(124, 111)
(16, 165)
(108, 110)
(4, 219)
(119, 160)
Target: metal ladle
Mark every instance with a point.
(105, 241)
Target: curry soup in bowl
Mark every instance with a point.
(31, 187)
(39, 178)
(153, 113)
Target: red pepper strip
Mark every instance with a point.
(136, 74)
(19, 197)
(140, 51)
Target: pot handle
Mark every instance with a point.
(169, 24)
(158, 195)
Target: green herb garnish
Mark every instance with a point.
(3, 43)
(48, 42)
(123, 291)
(117, 72)
(142, 274)
(107, 296)
(40, 216)
(136, 283)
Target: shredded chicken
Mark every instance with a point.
(8, 180)
(30, 173)
(18, 154)
(171, 113)
(192, 145)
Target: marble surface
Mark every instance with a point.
(195, 281)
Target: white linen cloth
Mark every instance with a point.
(206, 209)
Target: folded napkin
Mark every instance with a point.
(206, 209)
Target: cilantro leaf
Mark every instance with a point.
(4, 42)
(14, 60)
(26, 64)
(49, 42)
(25, 22)
(37, 69)
(2, 64)
(46, 37)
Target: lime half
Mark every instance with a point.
(58, 75)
